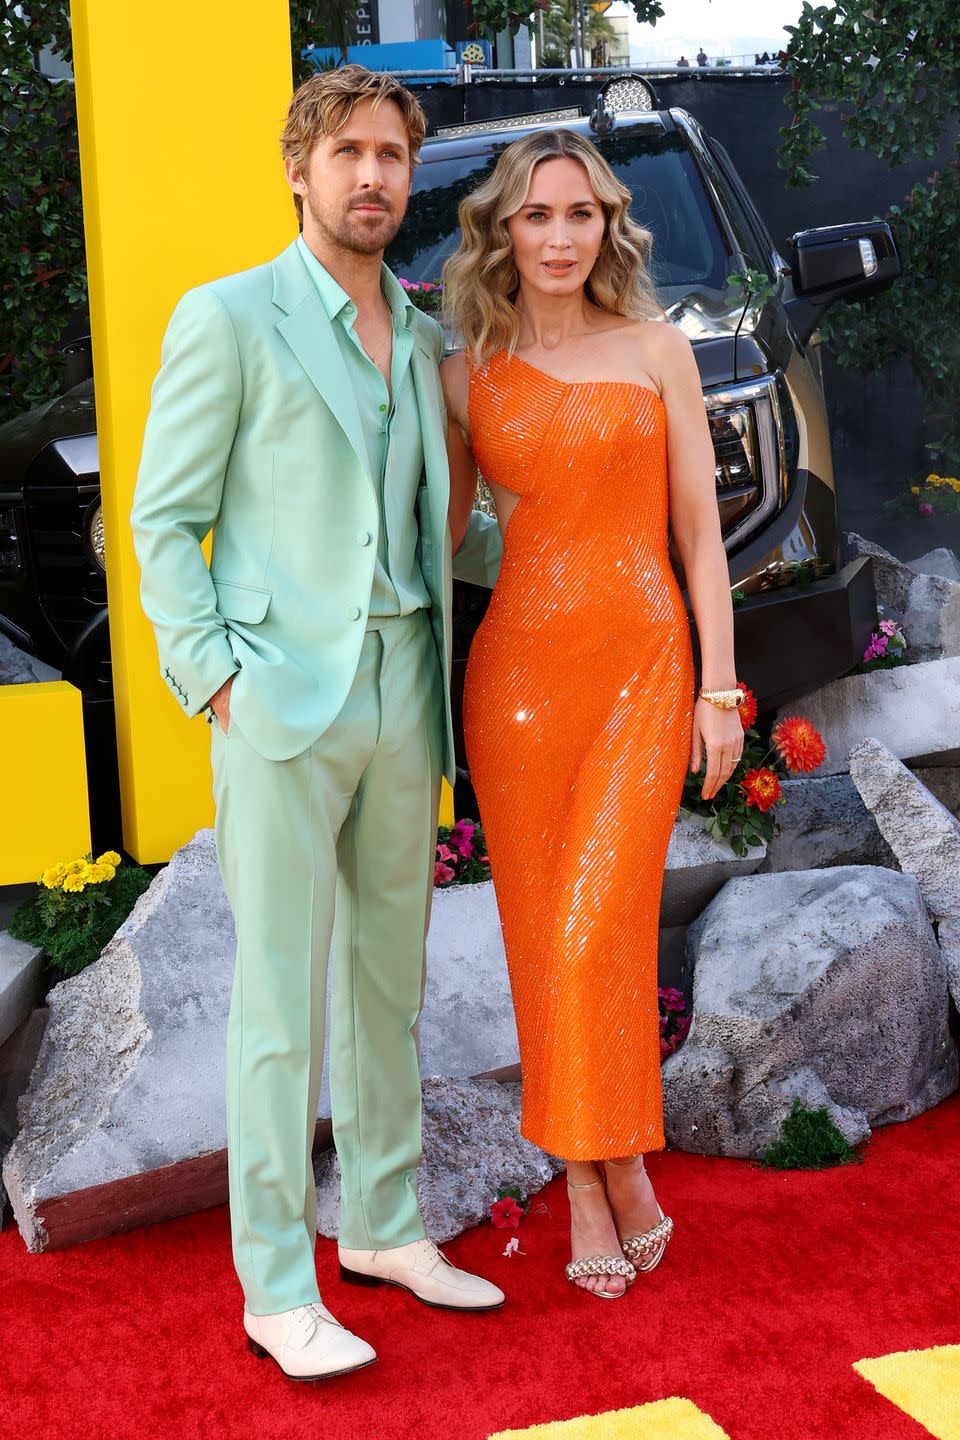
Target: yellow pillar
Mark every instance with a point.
(180, 108)
(45, 815)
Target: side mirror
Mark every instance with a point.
(839, 262)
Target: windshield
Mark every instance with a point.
(689, 250)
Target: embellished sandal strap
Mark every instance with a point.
(599, 1265)
(638, 1247)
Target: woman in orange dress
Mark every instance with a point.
(579, 403)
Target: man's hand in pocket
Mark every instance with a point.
(220, 704)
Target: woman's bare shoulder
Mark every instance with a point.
(669, 350)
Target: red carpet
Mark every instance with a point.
(772, 1287)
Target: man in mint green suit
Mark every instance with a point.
(298, 414)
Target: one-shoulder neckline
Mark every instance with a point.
(575, 384)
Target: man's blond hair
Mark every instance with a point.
(323, 104)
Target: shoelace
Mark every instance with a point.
(311, 1315)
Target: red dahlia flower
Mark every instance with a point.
(761, 788)
(799, 742)
(748, 710)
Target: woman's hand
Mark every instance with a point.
(721, 734)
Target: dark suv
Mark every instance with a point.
(801, 618)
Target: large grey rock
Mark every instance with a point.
(131, 1073)
(18, 1055)
(921, 832)
(891, 576)
(20, 968)
(932, 619)
(913, 709)
(471, 1146)
(824, 822)
(825, 985)
(697, 866)
(948, 933)
(937, 562)
(468, 1024)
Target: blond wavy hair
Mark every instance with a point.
(481, 280)
(323, 104)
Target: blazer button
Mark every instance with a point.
(355, 613)
(364, 537)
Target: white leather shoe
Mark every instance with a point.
(423, 1270)
(307, 1342)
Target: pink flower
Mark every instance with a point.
(484, 859)
(462, 837)
(671, 999)
(442, 873)
(889, 627)
(926, 508)
(405, 283)
(445, 853)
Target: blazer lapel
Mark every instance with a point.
(306, 328)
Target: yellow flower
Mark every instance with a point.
(52, 879)
(932, 479)
(109, 857)
(75, 883)
(914, 489)
(96, 873)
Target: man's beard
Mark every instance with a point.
(355, 235)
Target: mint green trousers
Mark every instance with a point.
(337, 843)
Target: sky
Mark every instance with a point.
(722, 27)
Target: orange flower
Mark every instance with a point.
(799, 742)
(748, 710)
(761, 788)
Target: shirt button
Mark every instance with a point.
(383, 407)
(355, 613)
(364, 537)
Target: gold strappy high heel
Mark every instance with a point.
(645, 1251)
(600, 1264)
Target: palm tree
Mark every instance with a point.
(321, 22)
(558, 27)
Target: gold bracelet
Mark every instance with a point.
(725, 699)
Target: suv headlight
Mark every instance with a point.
(747, 429)
(94, 531)
(11, 560)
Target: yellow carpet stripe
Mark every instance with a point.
(925, 1384)
(673, 1419)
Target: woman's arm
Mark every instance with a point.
(695, 522)
(455, 379)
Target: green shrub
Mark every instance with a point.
(810, 1141)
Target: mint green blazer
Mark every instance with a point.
(254, 433)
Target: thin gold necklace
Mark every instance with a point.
(386, 337)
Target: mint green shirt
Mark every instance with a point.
(391, 433)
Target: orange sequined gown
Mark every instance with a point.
(577, 711)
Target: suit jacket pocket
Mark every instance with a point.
(245, 603)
